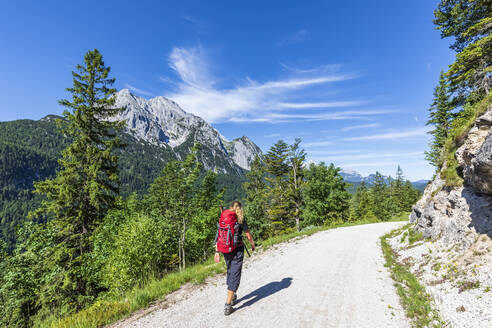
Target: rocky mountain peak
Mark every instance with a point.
(162, 122)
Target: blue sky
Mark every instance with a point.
(353, 79)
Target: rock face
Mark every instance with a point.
(162, 122)
(475, 155)
(459, 214)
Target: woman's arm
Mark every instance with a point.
(250, 239)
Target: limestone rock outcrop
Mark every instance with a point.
(459, 214)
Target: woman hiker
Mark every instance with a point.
(234, 259)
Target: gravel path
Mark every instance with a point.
(334, 278)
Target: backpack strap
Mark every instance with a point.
(217, 233)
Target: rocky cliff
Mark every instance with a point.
(460, 214)
(163, 123)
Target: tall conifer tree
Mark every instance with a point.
(296, 180)
(470, 23)
(277, 169)
(380, 197)
(256, 199)
(440, 116)
(87, 184)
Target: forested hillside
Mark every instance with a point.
(29, 151)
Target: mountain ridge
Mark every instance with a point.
(162, 122)
(355, 177)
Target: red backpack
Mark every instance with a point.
(227, 237)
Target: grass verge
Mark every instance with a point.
(415, 300)
(114, 308)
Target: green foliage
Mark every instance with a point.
(25, 275)
(455, 17)
(277, 171)
(325, 196)
(143, 248)
(382, 205)
(179, 198)
(361, 203)
(296, 181)
(459, 127)
(440, 116)
(255, 208)
(414, 236)
(85, 187)
(468, 21)
(28, 151)
(384, 199)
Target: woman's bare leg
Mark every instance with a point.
(230, 295)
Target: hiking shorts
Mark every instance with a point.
(234, 262)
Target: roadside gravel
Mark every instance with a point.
(334, 278)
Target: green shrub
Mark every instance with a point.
(142, 249)
(414, 236)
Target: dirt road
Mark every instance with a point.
(334, 278)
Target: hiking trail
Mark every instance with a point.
(334, 278)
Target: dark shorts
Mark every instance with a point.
(234, 262)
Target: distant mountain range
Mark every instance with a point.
(356, 178)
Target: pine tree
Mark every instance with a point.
(362, 204)
(470, 23)
(440, 116)
(410, 196)
(381, 199)
(277, 169)
(256, 200)
(87, 184)
(296, 180)
(397, 191)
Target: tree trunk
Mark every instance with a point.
(182, 250)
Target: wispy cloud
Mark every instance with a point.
(361, 126)
(139, 91)
(332, 116)
(254, 101)
(370, 155)
(331, 104)
(198, 25)
(296, 37)
(417, 132)
(325, 68)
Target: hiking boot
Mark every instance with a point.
(234, 299)
(228, 309)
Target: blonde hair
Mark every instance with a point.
(239, 211)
